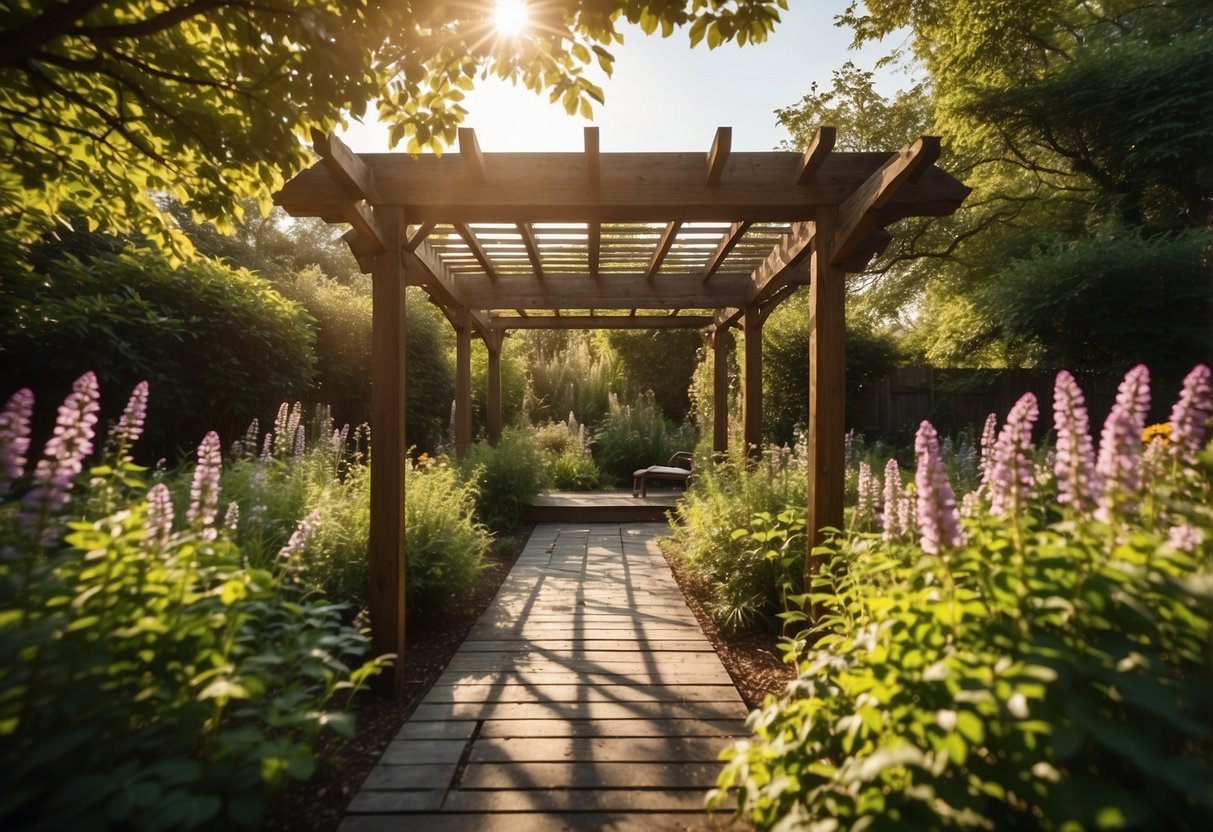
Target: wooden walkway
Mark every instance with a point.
(586, 697)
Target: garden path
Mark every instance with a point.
(586, 697)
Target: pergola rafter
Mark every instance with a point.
(511, 241)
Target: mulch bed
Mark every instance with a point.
(750, 658)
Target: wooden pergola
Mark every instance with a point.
(506, 241)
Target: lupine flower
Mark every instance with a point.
(204, 492)
(1191, 415)
(891, 521)
(869, 492)
(300, 441)
(937, 520)
(989, 435)
(299, 539)
(971, 504)
(159, 523)
(1119, 463)
(1013, 474)
(280, 421)
(1133, 395)
(296, 418)
(267, 447)
(1185, 537)
(1074, 465)
(251, 435)
(130, 424)
(231, 518)
(848, 448)
(907, 509)
(14, 438)
(62, 459)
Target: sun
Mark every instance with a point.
(511, 16)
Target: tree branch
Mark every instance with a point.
(16, 45)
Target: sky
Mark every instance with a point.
(665, 96)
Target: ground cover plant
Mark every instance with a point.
(1033, 655)
(151, 676)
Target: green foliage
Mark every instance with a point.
(218, 345)
(1070, 300)
(568, 376)
(660, 361)
(513, 384)
(507, 478)
(565, 447)
(1052, 672)
(636, 436)
(157, 682)
(747, 588)
(110, 103)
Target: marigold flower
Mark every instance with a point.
(14, 438)
(1191, 416)
(1074, 463)
(1013, 475)
(938, 522)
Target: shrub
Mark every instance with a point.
(507, 478)
(566, 375)
(565, 447)
(745, 586)
(218, 345)
(148, 677)
(1043, 664)
(635, 436)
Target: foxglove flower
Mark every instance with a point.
(1133, 396)
(130, 424)
(159, 523)
(892, 523)
(1191, 415)
(1119, 463)
(204, 492)
(989, 435)
(14, 438)
(1013, 474)
(299, 539)
(1074, 465)
(62, 459)
(938, 522)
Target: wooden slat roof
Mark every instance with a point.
(553, 233)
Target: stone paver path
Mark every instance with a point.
(586, 697)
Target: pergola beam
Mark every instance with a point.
(532, 248)
(424, 268)
(663, 248)
(501, 323)
(860, 212)
(469, 239)
(346, 167)
(815, 155)
(633, 291)
(473, 159)
(727, 243)
(718, 156)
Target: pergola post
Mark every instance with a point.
(387, 549)
(722, 342)
(751, 380)
(492, 396)
(827, 385)
(463, 387)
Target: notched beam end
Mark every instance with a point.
(718, 156)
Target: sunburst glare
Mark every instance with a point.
(511, 16)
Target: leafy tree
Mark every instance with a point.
(660, 361)
(106, 102)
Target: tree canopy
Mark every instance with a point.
(107, 102)
(1083, 129)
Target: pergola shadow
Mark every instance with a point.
(509, 241)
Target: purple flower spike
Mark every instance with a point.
(159, 523)
(1013, 474)
(299, 540)
(989, 435)
(1133, 395)
(62, 459)
(130, 425)
(14, 438)
(1074, 464)
(892, 520)
(300, 441)
(1191, 416)
(204, 492)
(938, 522)
(1119, 464)
(869, 492)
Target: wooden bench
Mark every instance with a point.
(678, 469)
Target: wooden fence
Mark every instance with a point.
(894, 406)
